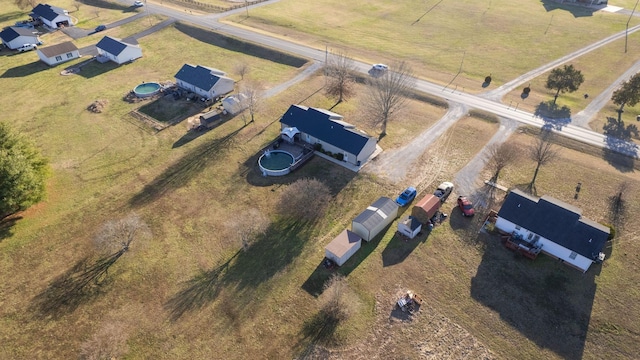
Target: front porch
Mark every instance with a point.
(518, 244)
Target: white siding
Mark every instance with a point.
(130, 53)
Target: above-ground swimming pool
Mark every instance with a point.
(275, 163)
(147, 89)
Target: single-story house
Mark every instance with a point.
(51, 16)
(59, 53)
(206, 82)
(235, 103)
(340, 249)
(118, 50)
(13, 37)
(409, 226)
(424, 209)
(319, 126)
(555, 227)
(375, 218)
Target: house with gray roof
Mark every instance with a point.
(51, 16)
(118, 51)
(13, 37)
(59, 53)
(207, 82)
(556, 228)
(319, 126)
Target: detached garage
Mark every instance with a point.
(426, 208)
(375, 218)
(343, 247)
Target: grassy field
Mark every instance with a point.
(189, 292)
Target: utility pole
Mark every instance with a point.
(626, 34)
(246, 6)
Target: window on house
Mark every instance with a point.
(69, 55)
(573, 255)
(58, 58)
(536, 238)
(530, 236)
(518, 227)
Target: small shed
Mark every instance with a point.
(235, 103)
(375, 218)
(426, 208)
(340, 249)
(409, 226)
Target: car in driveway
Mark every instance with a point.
(444, 190)
(138, 3)
(101, 28)
(406, 196)
(27, 47)
(466, 206)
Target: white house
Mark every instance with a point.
(340, 249)
(319, 126)
(14, 37)
(206, 82)
(59, 53)
(118, 50)
(375, 218)
(554, 227)
(409, 226)
(51, 16)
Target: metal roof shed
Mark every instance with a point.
(426, 208)
(343, 247)
(375, 218)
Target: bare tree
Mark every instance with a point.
(250, 100)
(618, 205)
(501, 155)
(252, 225)
(305, 199)
(96, 12)
(339, 72)
(76, 4)
(542, 152)
(115, 237)
(241, 69)
(335, 307)
(387, 94)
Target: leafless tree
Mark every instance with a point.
(96, 12)
(339, 72)
(305, 199)
(250, 101)
(542, 152)
(241, 69)
(115, 237)
(387, 94)
(25, 4)
(335, 307)
(110, 342)
(76, 4)
(501, 155)
(248, 228)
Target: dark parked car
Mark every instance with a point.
(407, 196)
(101, 28)
(465, 206)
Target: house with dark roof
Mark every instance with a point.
(13, 37)
(554, 227)
(51, 16)
(56, 54)
(319, 126)
(118, 51)
(375, 218)
(205, 81)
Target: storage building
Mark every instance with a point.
(426, 208)
(340, 249)
(375, 218)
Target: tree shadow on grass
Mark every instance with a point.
(6, 226)
(400, 247)
(185, 169)
(555, 117)
(319, 330)
(79, 285)
(96, 68)
(245, 270)
(546, 301)
(620, 150)
(107, 5)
